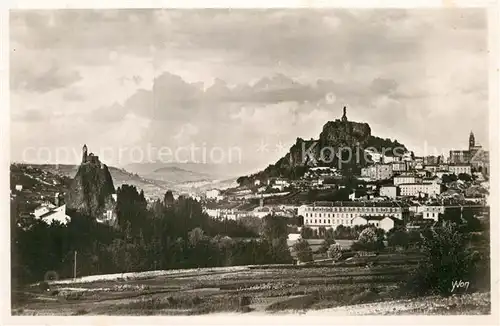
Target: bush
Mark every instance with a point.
(325, 245)
(335, 252)
(398, 238)
(447, 259)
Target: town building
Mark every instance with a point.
(377, 171)
(432, 168)
(383, 222)
(475, 154)
(440, 174)
(480, 161)
(49, 212)
(333, 214)
(418, 165)
(431, 189)
(432, 211)
(430, 160)
(460, 168)
(212, 194)
(444, 167)
(261, 211)
(389, 191)
(406, 178)
(399, 166)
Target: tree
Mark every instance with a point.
(274, 227)
(321, 231)
(168, 199)
(370, 239)
(274, 235)
(329, 234)
(447, 178)
(306, 232)
(131, 207)
(195, 236)
(465, 177)
(303, 250)
(398, 237)
(448, 259)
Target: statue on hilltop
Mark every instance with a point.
(344, 116)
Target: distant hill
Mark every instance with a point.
(178, 175)
(181, 173)
(206, 185)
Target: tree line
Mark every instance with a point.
(167, 234)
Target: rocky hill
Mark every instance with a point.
(341, 144)
(152, 188)
(91, 190)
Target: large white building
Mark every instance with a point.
(430, 189)
(333, 214)
(460, 168)
(400, 179)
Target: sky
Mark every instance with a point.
(241, 85)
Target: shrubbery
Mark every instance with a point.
(370, 239)
(448, 259)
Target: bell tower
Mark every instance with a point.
(472, 141)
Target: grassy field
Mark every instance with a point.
(245, 289)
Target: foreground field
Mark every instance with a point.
(336, 289)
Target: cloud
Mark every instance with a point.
(44, 80)
(234, 76)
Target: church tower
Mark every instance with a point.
(84, 153)
(472, 141)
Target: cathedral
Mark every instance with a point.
(475, 155)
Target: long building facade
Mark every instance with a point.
(333, 214)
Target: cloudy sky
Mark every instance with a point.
(251, 79)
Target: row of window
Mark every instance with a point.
(327, 221)
(347, 215)
(354, 209)
(337, 222)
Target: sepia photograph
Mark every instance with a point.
(252, 162)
